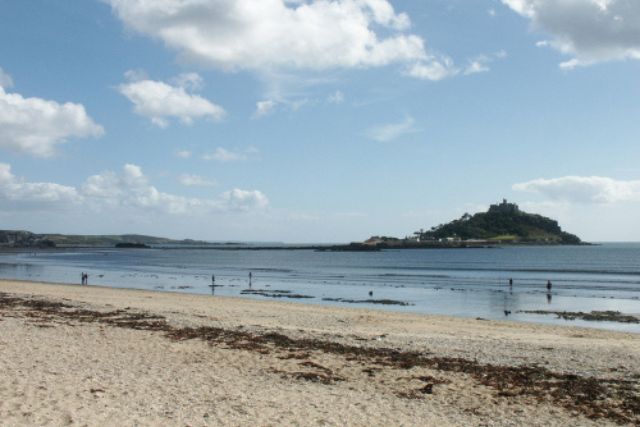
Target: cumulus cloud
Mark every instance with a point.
(5, 79)
(392, 131)
(160, 101)
(224, 155)
(583, 189)
(17, 191)
(242, 200)
(248, 34)
(35, 126)
(126, 190)
(189, 180)
(590, 31)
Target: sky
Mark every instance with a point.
(317, 120)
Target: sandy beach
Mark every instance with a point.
(85, 355)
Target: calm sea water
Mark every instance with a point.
(459, 282)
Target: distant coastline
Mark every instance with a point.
(504, 224)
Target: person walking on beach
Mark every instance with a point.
(82, 278)
(213, 284)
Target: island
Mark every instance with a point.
(502, 224)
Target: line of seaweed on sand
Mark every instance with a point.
(597, 398)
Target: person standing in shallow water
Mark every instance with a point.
(250, 277)
(549, 285)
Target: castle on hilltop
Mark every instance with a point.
(504, 207)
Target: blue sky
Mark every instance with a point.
(317, 121)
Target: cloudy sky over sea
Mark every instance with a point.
(317, 120)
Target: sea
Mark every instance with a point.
(472, 283)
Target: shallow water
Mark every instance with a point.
(458, 282)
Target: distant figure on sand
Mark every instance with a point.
(549, 285)
(250, 277)
(85, 278)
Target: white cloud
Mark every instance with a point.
(479, 64)
(189, 180)
(392, 131)
(434, 69)
(184, 154)
(5, 79)
(476, 66)
(437, 68)
(125, 191)
(256, 35)
(224, 155)
(583, 189)
(242, 200)
(189, 81)
(160, 101)
(590, 31)
(336, 98)
(17, 191)
(35, 126)
(264, 108)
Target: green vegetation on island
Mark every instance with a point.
(503, 223)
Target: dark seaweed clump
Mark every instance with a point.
(274, 294)
(595, 316)
(368, 301)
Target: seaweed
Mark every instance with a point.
(368, 301)
(274, 294)
(594, 316)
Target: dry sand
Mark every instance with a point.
(118, 357)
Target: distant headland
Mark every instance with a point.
(501, 224)
(27, 239)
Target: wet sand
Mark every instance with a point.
(85, 355)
